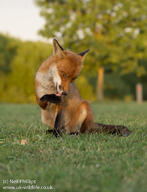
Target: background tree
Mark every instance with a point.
(8, 47)
(114, 30)
(18, 65)
(29, 57)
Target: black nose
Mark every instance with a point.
(64, 93)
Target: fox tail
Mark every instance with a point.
(112, 129)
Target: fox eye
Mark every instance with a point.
(74, 78)
(64, 74)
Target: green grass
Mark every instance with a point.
(85, 163)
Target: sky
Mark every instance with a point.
(20, 18)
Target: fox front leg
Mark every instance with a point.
(58, 126)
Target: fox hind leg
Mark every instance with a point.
(82, 122)
(82, 114)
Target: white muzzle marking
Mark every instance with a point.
(56, 78)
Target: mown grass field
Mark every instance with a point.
(85, 163)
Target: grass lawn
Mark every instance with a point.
(85, 163)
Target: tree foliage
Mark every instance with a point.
(114, 30)
(18, 84)
(8, 48)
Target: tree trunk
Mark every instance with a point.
(100, 84)
(139, 93)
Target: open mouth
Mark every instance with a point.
(60, 94)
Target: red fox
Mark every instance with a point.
(63, 110)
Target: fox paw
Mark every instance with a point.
(51, 98)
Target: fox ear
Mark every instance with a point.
(57, 49)
(84, 53)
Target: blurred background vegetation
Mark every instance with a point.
(114, 30)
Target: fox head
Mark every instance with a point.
(65, 67)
